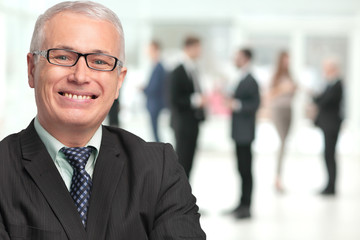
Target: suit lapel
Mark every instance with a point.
(108, 169)
(41, 168)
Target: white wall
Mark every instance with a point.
(2, 69)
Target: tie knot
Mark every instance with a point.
(77, 156)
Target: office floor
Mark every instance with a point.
(298, 213)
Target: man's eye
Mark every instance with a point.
(100, 62)
(62, 58)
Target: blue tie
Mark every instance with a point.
(81, 183)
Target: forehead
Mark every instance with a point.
(81, 33)
(329, 64)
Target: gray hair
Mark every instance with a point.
(87, 8)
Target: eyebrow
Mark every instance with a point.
(71, 48)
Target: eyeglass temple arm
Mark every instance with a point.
(42, 53)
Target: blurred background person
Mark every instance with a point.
(244, 105)
(329, 118)
(113, 115)
(282, 90)
(187, 103)
(154, 91)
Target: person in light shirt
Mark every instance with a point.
(187, 103)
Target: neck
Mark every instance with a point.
(71, 136)
(155, 59)
(189, 56)
(246, 66)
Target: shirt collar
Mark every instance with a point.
(53, 145)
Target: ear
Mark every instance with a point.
(31, 69)
(120, 79)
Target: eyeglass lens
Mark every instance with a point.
(69, 58)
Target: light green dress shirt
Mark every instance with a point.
(53, 146)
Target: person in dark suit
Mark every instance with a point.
(67, 177)
(154, 91)
(114, 114)
(244, 105)
(187, 103)
(329, 119)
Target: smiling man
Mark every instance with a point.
(68, 177)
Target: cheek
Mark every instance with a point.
(45, 83)
(112, 92)
(112, 87)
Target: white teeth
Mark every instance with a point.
(78, 97)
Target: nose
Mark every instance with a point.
(80, 74)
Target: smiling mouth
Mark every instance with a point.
(77, 96)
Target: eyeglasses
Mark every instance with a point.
(69, 58)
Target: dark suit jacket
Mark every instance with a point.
(329, 107)
(181, 89)
(139, 192)
(154, 91)
(243, 121)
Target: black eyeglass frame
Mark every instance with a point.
(45, 54)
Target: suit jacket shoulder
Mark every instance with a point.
(151, 181)
(181, 88)
(155, 87)
(180, 69)
(331, 97)
(248, 85)
(330, 107)
(243, 120)
(248, 93)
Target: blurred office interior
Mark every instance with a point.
(308, 30)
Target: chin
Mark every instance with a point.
(81, 119)
(78, 121)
